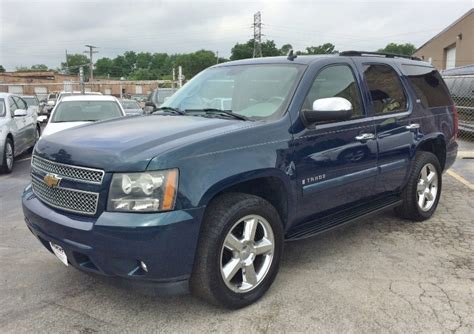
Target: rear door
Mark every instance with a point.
(335, 162)
(17, 127)
(391, 110)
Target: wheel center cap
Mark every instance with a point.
(247, 255)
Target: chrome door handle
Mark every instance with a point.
(365, 136)
(413, 126)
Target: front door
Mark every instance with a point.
(336, 163)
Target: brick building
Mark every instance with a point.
(42, 83)
(452, 47)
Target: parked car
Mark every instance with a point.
(64, 94)
(50, 102)
(199, 198)
(72, 111)
(32, 103)
(19, 130)
(460, 82)
(159, 96)
(131, 107)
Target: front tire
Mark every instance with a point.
(8, 157)
(239, 250)
(423, 190)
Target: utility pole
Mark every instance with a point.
(67, 64)
(81, 79)
(174, 77)
(217, 57)
(180, 76)
(257, 35)
(91, 63)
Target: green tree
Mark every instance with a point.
(2, 69)
(143, 60)
(195, 62)
(285, 49)
(130, 59)
(74, 61)
(103, 67)
(143, 74)
(403, 49)
(118, 67)
(245, 50)
(326, 48)
(39, 67)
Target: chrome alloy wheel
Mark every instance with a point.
(247, 253)
(9, 155)
(427, 187)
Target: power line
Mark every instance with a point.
(257, 35)
(91, 63)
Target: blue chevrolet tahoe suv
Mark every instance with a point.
(202, 194)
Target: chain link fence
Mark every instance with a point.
(461, 88)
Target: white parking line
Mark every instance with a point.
(458, 177)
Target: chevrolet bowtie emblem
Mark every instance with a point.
(52, 180)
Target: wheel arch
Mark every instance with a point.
(435, 144)
(271, 185)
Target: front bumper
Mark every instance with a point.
(114, 243)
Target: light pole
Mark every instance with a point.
(121, 90)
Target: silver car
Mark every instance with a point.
(19, 130)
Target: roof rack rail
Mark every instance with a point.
(372, 53)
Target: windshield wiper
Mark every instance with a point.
(170, 110)
(220, 111)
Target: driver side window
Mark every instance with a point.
(12, 106)
(336, 81)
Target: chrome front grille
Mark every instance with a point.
(67, 199)
(75, 173)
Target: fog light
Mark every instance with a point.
(143, 266)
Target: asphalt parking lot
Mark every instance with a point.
(381, 275)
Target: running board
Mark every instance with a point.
(339, 219)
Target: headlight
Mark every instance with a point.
(143, 192)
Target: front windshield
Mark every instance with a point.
(130, 105)
(81, 111)
(256, 91)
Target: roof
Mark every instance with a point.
(309, 59)
(89, 98)
(469, 12)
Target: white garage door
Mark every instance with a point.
(108, 91)
(451, 57)
(15, 89)
(138, 90)
(41, 92)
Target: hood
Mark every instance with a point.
(52, 128)
(129, 143)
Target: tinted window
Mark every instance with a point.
(130, 105)
(77, 111)
(3, 110)
(335, 81)
(428, 85)
(31, 101)
(385, 89)
(13, 105)
(20, 103)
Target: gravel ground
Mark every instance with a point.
(380, 275)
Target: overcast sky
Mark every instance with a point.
(39, 31)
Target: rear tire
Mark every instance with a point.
(8, 157)
(234, 266)
(423, 190)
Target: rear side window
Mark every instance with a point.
(3, 111)
(336, 81)
(428, 85)
(385, 88)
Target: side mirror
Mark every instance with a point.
(42, 118)
(20, 113)
(328, 110)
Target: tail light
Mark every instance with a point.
(455, 121)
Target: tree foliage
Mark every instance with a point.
(245, 50)
(74, 61)
(403, 49)
(323, 49)
(33, 68)
(2, 69)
